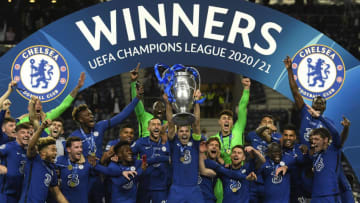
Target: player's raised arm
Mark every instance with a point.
(169, 115)
(81, 81)
(31, 150)
(345, 132)
(299, 101)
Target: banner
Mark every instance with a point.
(237, 36)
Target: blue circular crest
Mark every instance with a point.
(318, 71)
(40, 71)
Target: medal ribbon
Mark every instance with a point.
(317, 160)
(91, 142)
(222, 141)
(73, 170)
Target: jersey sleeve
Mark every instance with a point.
(336, 141)
(56, 112)
(240, 124)
(124, 113)
(196, 137)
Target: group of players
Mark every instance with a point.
(170, 163)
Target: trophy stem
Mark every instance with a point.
(183, 119)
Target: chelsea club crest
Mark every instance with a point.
(40, 71)
(318, 71)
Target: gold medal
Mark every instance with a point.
(70, 167)
(228, 151)
(234, 190)
(92, 154)
(72, 184)
(182, 159)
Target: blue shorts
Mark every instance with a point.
(185, 194)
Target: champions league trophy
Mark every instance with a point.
(179, 84)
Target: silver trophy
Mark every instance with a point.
(183, 82)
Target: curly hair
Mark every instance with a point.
(77, 110)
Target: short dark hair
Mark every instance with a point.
(26, 126)
(290, 126)
(125, 126)
(226, 112)
(273, 147)
(70, 140)
(213, 139)
(154, 118)
(238, 146)
(58, 119)
(8, 119)
(319, 97)
(267, 115)
(77, 110)
(323, 132)
(44, 142)
(120, 144)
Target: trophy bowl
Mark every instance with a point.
(180, 84)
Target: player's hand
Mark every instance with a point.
(165, 97)
(345, 122)
(46, 123)
(3, 170)
(129, 174)
(251, 177)
(197, 95)
(281, 170)
(92, 161)
(246, 83)
(81, 80)
(303, 148)
(11, 85)
(134, 73)
(287, 62)
(202, 147)
(249, 149)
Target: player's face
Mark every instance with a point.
(86, 117)
(38, 107)
(50, 153)
(213, 149)
(9, 129)
(159, 110)
(276, 156)
(226, 123)
(319, 104)
(318, 143)
(237, 156)
(184, 134)
(125, 154)
(56, 129)
(23, 136)
(289, 138)
(127, 134)
(75, 151)
(154, 128)
(266, 121)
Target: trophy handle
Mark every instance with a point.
(199, 79)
